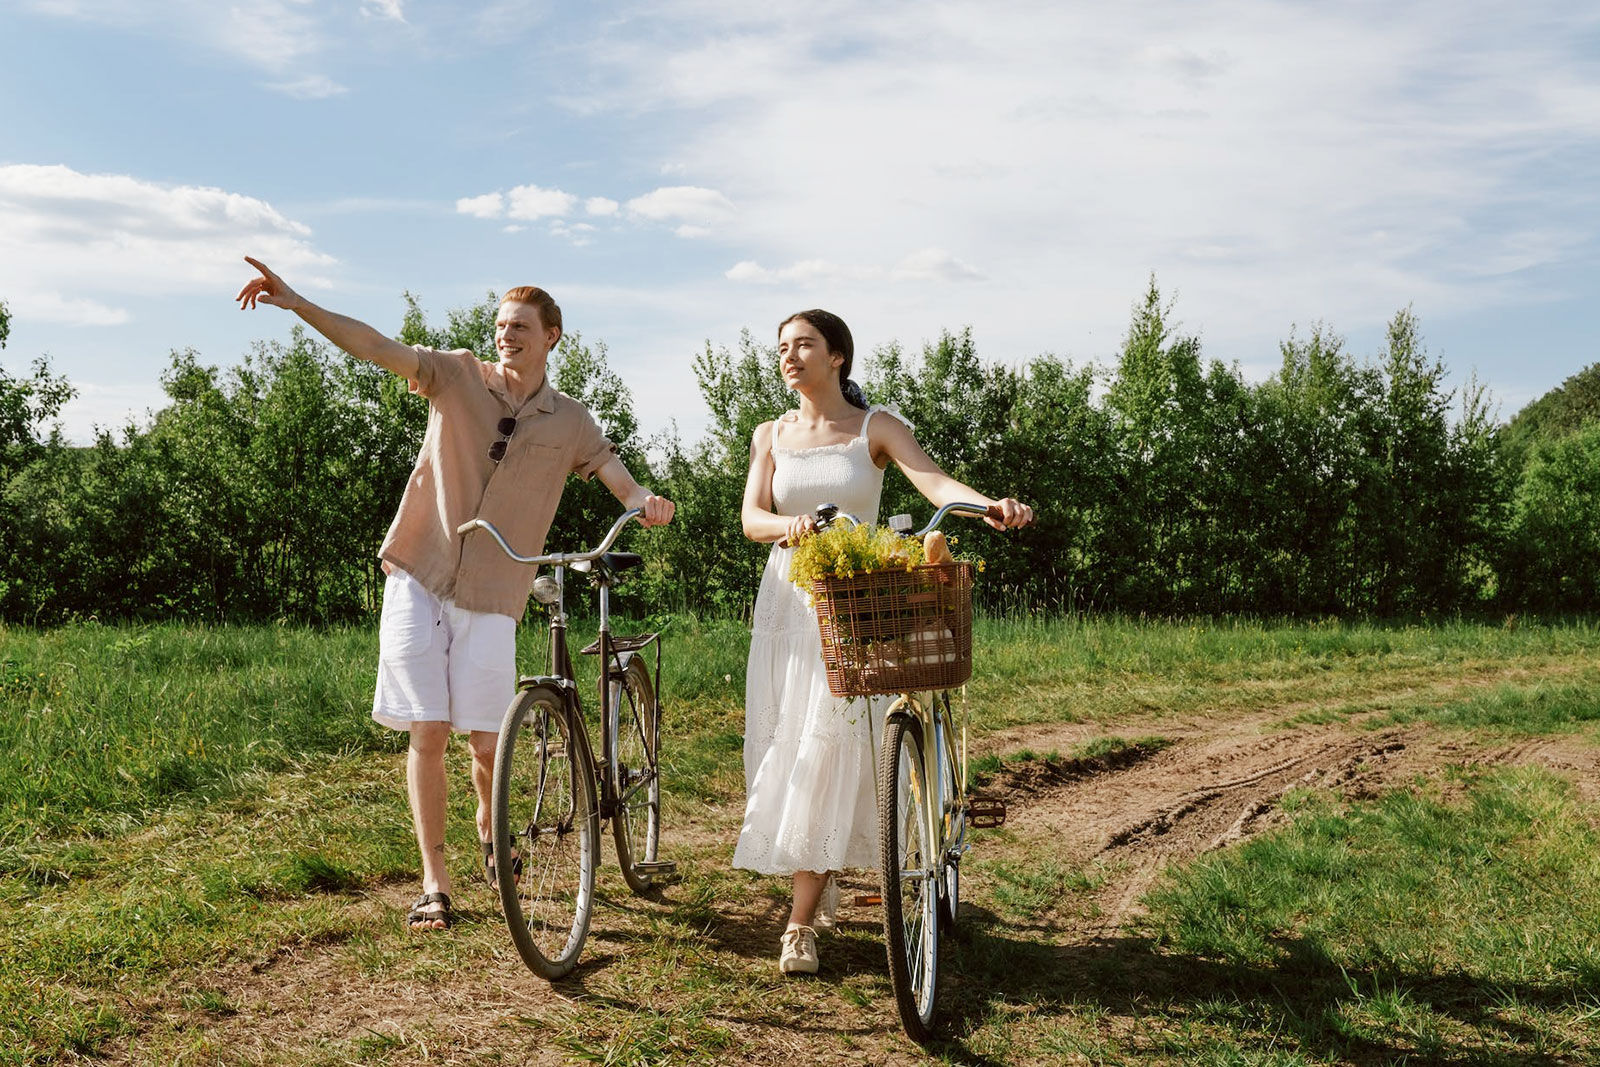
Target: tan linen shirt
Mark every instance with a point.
(455, 480)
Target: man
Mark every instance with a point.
(500, 444)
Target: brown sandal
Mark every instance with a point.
(416, 918)
(488, 865)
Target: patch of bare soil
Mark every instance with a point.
(1219, 781)
(1219, 785)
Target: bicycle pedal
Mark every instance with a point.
(986, 813)
(868, 900)
(661, 872)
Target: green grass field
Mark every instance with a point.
(183, 807)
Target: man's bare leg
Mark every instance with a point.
(427, 789)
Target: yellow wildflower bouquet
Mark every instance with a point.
(843, 551)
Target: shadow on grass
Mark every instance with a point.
(1306, 994)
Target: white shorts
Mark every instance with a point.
(438, 663)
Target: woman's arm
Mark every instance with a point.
(889, 438)
(761, 523)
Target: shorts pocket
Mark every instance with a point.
(409, 624)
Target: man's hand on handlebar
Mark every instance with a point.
(656, 511)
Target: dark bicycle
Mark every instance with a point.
(551, 792)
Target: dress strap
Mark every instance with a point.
(891, 412)
(777, 424)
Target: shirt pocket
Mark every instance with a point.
(543, 447)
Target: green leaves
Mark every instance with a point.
(1167, 484)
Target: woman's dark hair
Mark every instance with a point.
(837, 337)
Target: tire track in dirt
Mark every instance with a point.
(1224, 782)
(1127, 824)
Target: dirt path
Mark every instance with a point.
(1223, 781)
(1219, 781)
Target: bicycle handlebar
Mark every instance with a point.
(558, 559)
(981, 511)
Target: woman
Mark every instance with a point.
(809, 808)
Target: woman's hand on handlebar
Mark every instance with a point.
(799, 526)
(1012, 513)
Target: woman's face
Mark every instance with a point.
(803, 357)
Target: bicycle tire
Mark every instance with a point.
(543, 807)
(635, 774)
(953, 822)
(910, 920)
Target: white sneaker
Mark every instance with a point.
(827, 913)
(799, 953)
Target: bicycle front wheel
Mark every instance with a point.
(635, 777)
(952, 805)
(543, 809)
(911, 872)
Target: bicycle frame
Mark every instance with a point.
(614, 660)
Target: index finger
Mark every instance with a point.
(260, 266)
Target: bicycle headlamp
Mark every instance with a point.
(546, 590)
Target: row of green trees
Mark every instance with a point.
(1167, 484)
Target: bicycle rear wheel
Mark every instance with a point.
(543, 808)
(910, 875)
(635, 777)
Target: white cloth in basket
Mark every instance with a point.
(808, 761)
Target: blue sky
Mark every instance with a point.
(676, 171)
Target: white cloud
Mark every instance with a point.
(388, 9)
(600, 205)
(44, 306)
(688, 204)
(108, 407)
(310, 87)
(85, 248)
(579, 233)
(530, 202)
(1274, 163)
(926, 265)
(691, 231)
(934, 265)
(487, 206)
(281, 37)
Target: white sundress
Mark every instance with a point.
(808, 759)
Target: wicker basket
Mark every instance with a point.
(896, 631)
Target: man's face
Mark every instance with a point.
(521, 340)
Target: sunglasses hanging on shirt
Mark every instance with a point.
(506, 427)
